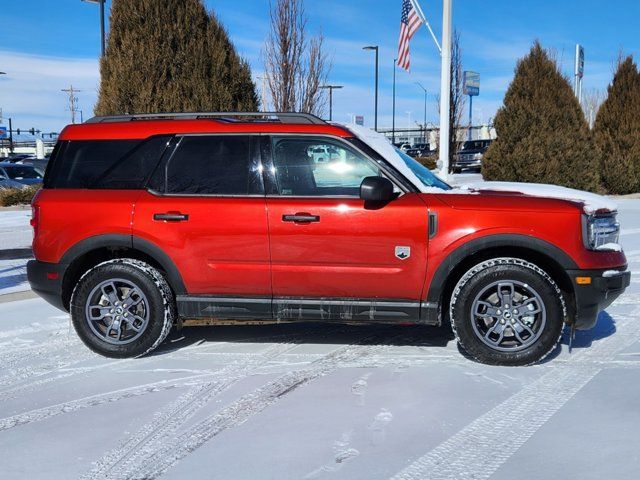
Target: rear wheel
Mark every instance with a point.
(122, 308)
(506, 311)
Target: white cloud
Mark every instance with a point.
(31, 93)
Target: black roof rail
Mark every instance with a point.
(283, 117)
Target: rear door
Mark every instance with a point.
(333, 256)
(206, 210)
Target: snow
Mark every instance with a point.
(318, 401)
(15, 230)
(13, 276)
(610, 247)
(591, 201)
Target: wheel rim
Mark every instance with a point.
(508, 316)
(117, 311)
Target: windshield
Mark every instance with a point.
(423, 173)
(19, 173)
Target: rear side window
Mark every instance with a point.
(105, 164)
(209, 165)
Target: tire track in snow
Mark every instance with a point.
(40, 414)
(129, 453)
(478, 450)
(165, 455)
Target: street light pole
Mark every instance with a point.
(393, 120)
(425, 112)
(102, 29)
(331, 88)
(377, 50)
(445, 88)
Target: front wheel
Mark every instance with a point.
(506, 311)
(122, 308)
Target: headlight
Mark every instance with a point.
(602, 232)
(477, 156)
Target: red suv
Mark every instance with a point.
(149, 222)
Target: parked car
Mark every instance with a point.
(207, 221)
(405, 146)
(22, 174)
(39, 164)
(16, 157)
(413, 152)
(470, 155)
(423, 147)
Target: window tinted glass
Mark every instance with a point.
(104, 164)
(319, 167)
(133, 170)
(213, 165)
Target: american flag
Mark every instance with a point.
(409, 24)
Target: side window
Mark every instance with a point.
(319, 167)
(80, 164)
(210, 165)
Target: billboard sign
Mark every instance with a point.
(360, 120)
(471, 83)
(4, 134)
(579, 61)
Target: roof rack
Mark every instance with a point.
(282, 117)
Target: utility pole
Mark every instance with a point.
(579, 72)
(331, 88)
(424, 125)
(393, 120)
(72, 101)
(377, 50)
(445, 88)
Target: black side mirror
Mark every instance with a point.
(376, 189)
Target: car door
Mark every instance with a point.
(205, 209)
(333, 256)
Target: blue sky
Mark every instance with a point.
(46, 45)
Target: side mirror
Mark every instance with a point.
(376, 189)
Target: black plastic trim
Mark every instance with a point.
(49, 289)
(298, 309)
(477, 245)
(598, 295)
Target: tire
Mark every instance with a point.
(118, 329)
(496, 333)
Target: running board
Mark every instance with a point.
(257, 310)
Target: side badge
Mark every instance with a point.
(403, 252)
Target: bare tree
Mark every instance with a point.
(296, 66)
(456, 108)
(591, 102)
(457, 98)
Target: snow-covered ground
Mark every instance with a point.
(13, 277)
(319, 402)
(15, 231)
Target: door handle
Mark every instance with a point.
(301, 218)
(171, 217)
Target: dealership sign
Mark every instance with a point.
(3, 132)
(471, 84)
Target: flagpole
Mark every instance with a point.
(445, 88)
(423, 17)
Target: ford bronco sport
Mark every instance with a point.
(147, 222)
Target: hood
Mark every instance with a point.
(591, 202)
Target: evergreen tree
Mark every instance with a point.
(543, 136)
(617, 131)
(171, 56)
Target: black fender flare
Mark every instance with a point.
(128, 241)
(455, 258)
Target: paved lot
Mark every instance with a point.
(319, 402)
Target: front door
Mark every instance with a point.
(333, 257)
(206, 210)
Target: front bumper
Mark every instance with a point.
(591, 298)
(46, 280)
